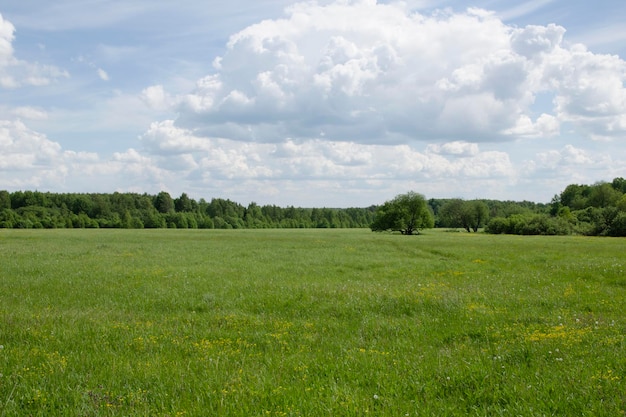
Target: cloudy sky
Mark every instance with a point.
(329, 103)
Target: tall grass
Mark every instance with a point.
(310, 323)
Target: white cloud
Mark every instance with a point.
(336, 103)
(23, 148)
(166, 138)
(15, 73)
(156, 98)
(456, 148)
(546, 125)
(569, 161)
(318, 159)
(369, 72)
(6, 39)
(103, 74)
(29, 159)
(590, 91)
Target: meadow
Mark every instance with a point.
(334, 322)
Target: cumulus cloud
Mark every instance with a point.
(157, 98)
(546, 125)
(166, 138)
(317, 159)
(364, 93)
(570, 164)
(341, 98)
(30, 160)
(369, 72)
(567, 156)
(15, 73)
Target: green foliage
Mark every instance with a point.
(619, 184)
(184, 203)
(595, 221)
(575, 196)
(5, 200)
(621, 203)
(309, 323)
(603, 195)
(450, 214)
(580, 209)
(136, 211)
(593, 210)
(470, 215)
(163, 203)
(534, 224)
(618, 225)
(406, 213)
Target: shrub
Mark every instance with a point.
(618, 225)
(538, 224)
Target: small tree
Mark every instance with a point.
(470, 215)
(479, 213)
(406, 213)
(451, 213)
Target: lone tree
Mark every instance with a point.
(406, 213)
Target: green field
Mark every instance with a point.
(310, 323)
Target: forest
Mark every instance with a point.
(598, 209)
(590, 210)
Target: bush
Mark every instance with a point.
(497, 226)
(618, 225)
(537, 224)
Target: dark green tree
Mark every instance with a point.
(406, 213)
(575, 196)
(621, 204)
(478, 213)
(619, 184)
(163, 202)
(183, 203)
(603, 195)
(451, 214)
(5, 199)
(470, 215)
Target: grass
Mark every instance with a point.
(310, 323)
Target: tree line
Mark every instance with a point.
(34, 209)
(592, 210)
(410, 212)
(595, 210)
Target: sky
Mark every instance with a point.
(328, 103)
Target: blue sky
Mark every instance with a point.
(329, 103)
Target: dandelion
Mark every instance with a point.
(376, 396)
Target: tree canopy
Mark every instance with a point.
(470, 215)
(406, 213)
(598, 209)
(593, 210)
(34, 209)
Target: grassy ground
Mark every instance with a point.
(310, 323)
